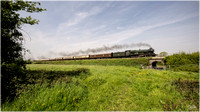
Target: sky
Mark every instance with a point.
(70, 26)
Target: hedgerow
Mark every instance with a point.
(183, 61)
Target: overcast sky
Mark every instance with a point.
(71, 26)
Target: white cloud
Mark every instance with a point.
(119, 28)
(78, 18)
(117, 37)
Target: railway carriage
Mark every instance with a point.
(60, 58)
(68, 58)
(43, 60)
(81, 57)
(99, 56)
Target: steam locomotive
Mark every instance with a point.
(126, 54)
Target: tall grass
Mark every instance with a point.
(109, 88)
(62, 96)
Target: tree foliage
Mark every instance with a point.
(184, 61)
(163, 54)
(11, 27)
(12, 49)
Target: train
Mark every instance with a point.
(126, 54)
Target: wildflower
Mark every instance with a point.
(35, 99)
(43, 104)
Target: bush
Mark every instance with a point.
(183, 61)
(28, 61)
(12, 75)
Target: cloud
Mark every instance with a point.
(119, 36)
(78, 18)
(119, 28)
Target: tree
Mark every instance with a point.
(12, 49)
(162, 54)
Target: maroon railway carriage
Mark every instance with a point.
(99, 56)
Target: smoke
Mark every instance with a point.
(106, 48)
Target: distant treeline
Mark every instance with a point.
(183, 61)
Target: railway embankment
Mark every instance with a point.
(136, 62)
(176, 62)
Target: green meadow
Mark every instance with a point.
(72, 87)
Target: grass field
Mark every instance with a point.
(106, 88)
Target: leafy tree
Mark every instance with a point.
(12, 49)
(163, 54)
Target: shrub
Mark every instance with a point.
(28, 61)
(183, 61)
(11, 74)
